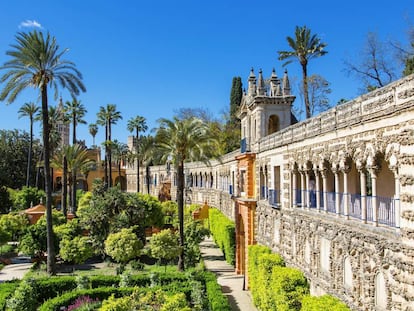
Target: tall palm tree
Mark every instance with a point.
(181, 140)
(74, 158)
(75, 111)
(137, 124)
(29, 110)
(305, 46)
(93, 130)
(106, 117)
(37, 61)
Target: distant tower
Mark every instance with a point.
(62, 127)
(265, 109)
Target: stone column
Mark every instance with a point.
(336, 174)
(307, 196)
(325, 193)
(346, 194)
(294, 186)
(318, 190)
(363, 180)
(397, 209)
(302, 190)
(374, 197)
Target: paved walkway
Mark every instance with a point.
(14, 271)
(231, 283)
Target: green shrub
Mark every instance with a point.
(223, 231)
(322, 303)
(25, 296)
(54, 286)
(288, 286)
(6, 291)
(216, 300)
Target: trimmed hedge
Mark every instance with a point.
(6, 291)
(217, 300)
(223, 231)
(322, 303)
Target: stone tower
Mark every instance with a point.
(265, 109)
(62, 127)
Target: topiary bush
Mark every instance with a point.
(216, 300)
(223, 232)
(322, 303)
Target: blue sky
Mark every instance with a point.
(151, 58)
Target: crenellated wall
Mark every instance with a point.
(334, 194)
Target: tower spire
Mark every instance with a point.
(261, 88)
(252, 84)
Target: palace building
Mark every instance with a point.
(333, 194)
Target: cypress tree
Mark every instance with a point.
(235, 99)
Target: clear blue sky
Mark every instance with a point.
(151, 58)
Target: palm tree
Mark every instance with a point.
(29, 110)
(106, 117)
(75, 111)
(181, 140)
(148, 156)
(74, 158)
(137, 124)
(93, 130)
(120, 152)
(36, 61)
(305, 46)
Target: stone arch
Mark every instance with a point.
(273, 124)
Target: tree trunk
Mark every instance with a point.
(48, 184)
(74, 191)
(180, 202)
(305, 90)
(29, 156)
(109, 154)
(148, 179)
(136, 154)
(106, 158)
(65, 186)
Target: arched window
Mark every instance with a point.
(273, 124)
(347, 273)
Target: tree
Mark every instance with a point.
(76, 157)
(37, 61)
(165, 245)
(26, 197)
(75, 250)
(29, 110)
(120, 151)
(75, 111)
(123, 246)
(137, 124)
(14, 146)
(93, 130)
(236, 95)
(181, 140)
(305, 47)
(319, 88)
(375, 67)
(106, 117)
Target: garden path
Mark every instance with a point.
(231, 283)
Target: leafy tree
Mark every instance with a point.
(181, 141)
(304, 47)
(75, 250)
(68, 230)
(29, 110)
(123, 246)
(14, 224)
(37, 61)
(28, 196)
(93, 130)
(14, 146)
(195, 233)
(137, 124)
(106, 117)
(165, 245)
(5, 201)
(170, 210)
(120, 151)
(374, 65)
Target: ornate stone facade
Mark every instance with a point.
(334, 194)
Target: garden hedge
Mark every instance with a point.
(223, 232)
(322, 303)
